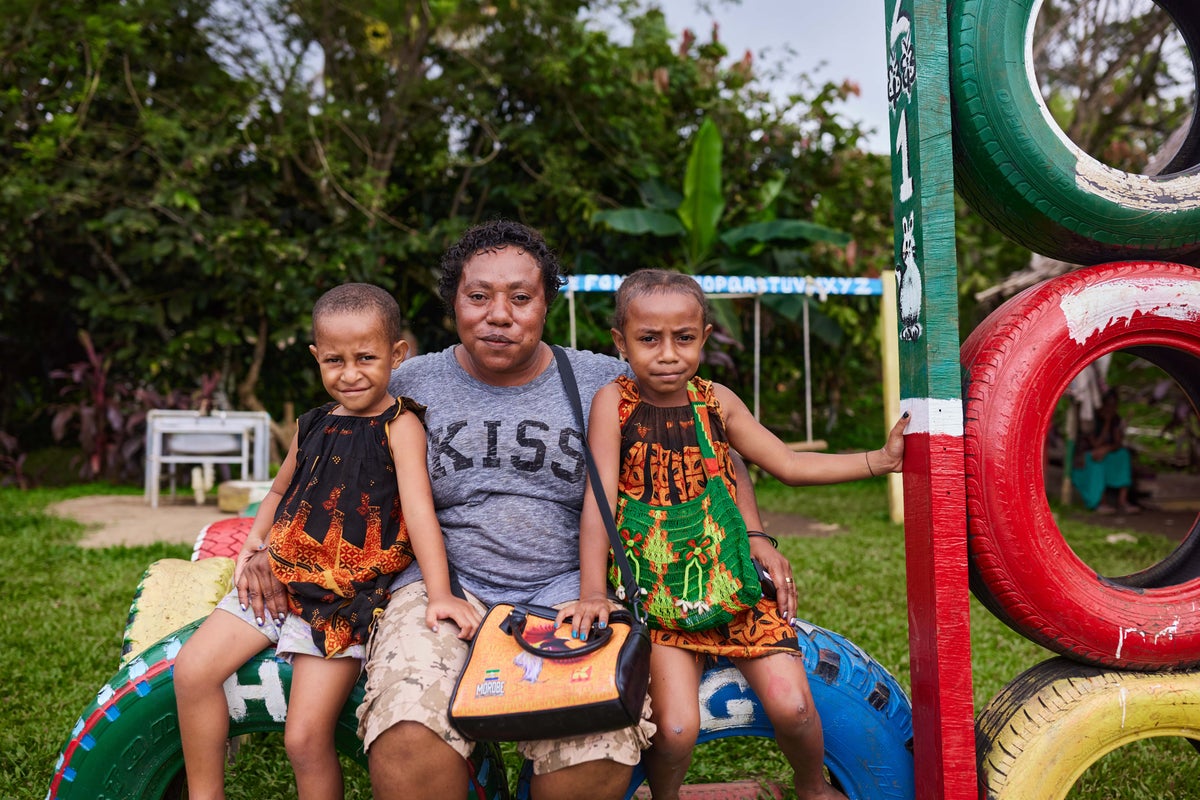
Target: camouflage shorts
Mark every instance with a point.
(411, 672)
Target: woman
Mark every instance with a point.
(1106, 462)
(506, 466)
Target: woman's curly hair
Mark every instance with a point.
(493, 236)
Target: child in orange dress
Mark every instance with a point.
(350, 507)
(643, 437)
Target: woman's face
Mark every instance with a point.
(500, 311)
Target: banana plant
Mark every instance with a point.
(762, 246)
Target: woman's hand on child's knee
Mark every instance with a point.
(258, 588)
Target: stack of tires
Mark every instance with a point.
(1129, 663)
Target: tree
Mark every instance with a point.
(183, 179)
(1115, 75)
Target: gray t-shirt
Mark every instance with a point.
(506, 464)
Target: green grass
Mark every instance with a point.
(60, 638)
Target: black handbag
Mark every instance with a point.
(524, 679)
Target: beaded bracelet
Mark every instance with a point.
(774, 542)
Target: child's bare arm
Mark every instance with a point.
(256, 584)
(604, 441)
(759, 446)
(407, 439)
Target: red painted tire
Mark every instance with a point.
(222, 538)
(1015, 368)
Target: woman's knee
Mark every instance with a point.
(191, 673)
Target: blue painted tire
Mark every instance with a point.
(865, 715)
(126, 746)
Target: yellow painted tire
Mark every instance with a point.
(1036, 738)
(172, 593)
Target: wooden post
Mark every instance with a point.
(930, 388)
(889, 351)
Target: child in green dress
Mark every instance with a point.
(643, 436)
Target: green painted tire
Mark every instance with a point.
(1020, 172)
(126, 746)
(1036, 738)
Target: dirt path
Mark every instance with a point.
(129, 520)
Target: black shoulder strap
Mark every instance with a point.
(629, 583)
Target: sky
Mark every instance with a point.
(832, 40)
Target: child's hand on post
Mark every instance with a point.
(890, 458)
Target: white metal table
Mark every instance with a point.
(189, 437)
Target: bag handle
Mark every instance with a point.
(628, 581)
(514, 625)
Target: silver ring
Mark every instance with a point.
(788, 580)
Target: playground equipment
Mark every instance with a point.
(1014, 165)
(126, 743)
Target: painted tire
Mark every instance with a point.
(1021, 173)
(172, 593)
(125, 745)
(1038, 736)
(1015, 368)
(222, 538)
(865, 715)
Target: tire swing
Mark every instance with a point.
(126, 746)
(1016, 365)
(1020, 172)
(1040, 734)
(865, 715)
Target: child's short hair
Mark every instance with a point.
(489, 237)
(656, 281)
(359, 298)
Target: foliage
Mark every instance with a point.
(182, 179)
(1116, 76)
(12, 462)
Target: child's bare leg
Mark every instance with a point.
(781, 685)
(319, 690)
(215, 651)
(675, 709)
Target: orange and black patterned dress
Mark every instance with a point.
(339, 536)
(661, 465)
